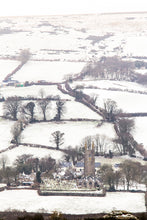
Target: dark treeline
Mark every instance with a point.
(114, 68)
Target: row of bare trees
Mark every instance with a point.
(125, 143)
(14, 108)
(24, 113)
(121, 145)
(110, 68)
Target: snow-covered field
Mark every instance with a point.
(69, 42)
(33, 91)
(74, 132)
(6, 67)
(5, 136)
(75, 109)
(11, 155)
(111, 84)
(128, 102)
(34, 71)
(60, 46)
(140, 131)
(69, 37)
(72, 109)
(30, 201)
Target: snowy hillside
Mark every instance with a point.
(60, 47)
(56, 73)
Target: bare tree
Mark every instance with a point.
(131, 170)
(78, 94)
(16, 132)
(110, 68)
(93, 99)
(88, 140)
(24, 163)
(124, 130)
(125, 125)
(47, 164)
(22, 159)
(60, 106)
(11, 107)
(117, 177)
(44, 105)
(117, 147)
(58, 139)
(24, 56)
(144, 176)
(4, 160)
(28, 110)
(107, 176)
(101, 144)
(42, 93)
(75, 154)
(110, 109)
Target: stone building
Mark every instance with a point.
(89, 161)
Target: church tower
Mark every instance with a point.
(89, 161)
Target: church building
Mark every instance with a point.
(89, 161)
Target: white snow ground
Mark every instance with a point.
(111, 84)
(63, 40)
(33, 91)
(74, 132)
(30, 201)
(34, 71)
(6, 135)
(128, 102)
(140, 131)
(65, 37)
(6, 67)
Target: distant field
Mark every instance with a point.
(80, 37)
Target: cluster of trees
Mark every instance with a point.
(115, 69)
(102, 145)
(24, 113)
(57, 138)
(110, 110)
(129, 173)
(24, 56)
(14, 108)
(142, 79)
(74, 154)
(125, 142)
(26, 164)
(110, 68)
(122, 145)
